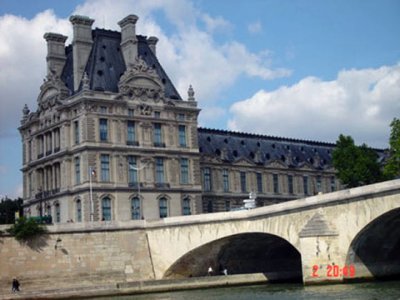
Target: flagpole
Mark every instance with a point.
(91, 194)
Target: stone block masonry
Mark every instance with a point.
(79, 258)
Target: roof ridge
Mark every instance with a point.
(245, 134)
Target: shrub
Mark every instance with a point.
(26, 228)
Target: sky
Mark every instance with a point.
(305, 69)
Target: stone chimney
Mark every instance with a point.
(81, 45)
(128, 39)
(55, 53)
(152, 41)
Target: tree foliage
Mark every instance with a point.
(26, 228)
(8, 208)
(392, 167)
(356, 165)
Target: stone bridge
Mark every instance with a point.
(349, 234)
(343, 235)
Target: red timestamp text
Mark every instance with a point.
(334, 271)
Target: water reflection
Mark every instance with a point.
(387, 290)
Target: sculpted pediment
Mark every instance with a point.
(276, 164)
(306, 166)
(51, 91)
(244, 162)
(140, 82)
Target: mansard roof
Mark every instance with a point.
(106, 63)
(229, 146)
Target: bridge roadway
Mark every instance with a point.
(345, 235)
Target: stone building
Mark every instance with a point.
(112, 139)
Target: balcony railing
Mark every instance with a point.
(135, 185)
(48, 152)
(56, 149)
(132, 143)
(40, 155)
(162, 185)
(160, 145)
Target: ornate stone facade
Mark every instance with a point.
(112, 139)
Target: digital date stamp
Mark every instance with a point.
(334, 271)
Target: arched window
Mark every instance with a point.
(186, 206)
(163, 207)
(106, 209)
(135, 208)
(57, 212)
(78, 210)
(48, 210)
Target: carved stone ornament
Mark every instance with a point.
(145, 110)
(51, 91)
(140, 82)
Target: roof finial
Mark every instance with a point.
(85, 82)
(25, 110)
(191, 93)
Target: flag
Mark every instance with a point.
(92, 171)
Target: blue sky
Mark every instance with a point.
(303, 69)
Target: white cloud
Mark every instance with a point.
(254, 27)
(190, 55)
(23, 63)
(360, 103)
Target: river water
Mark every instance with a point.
(386, 290)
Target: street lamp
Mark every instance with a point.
(138, 174)
(91, 173)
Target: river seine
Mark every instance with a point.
(386, 290)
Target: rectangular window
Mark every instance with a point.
(319, 184)
(333, 184)
(77, 170)
(184, 171)
(103, 129)
(105, 167)
(243, 182)
(103, 109)
(182, 135)
(276, 183)
(159, 170)
(58, 213)
(131, 112)
(131, 138)
(225, 180)
(259, 182)
(305, 185)
(207, 179)
(163, 208)
(227, 205)
(76, 132)
(157, 135)
(132, 171)
(157, 114)
(290, 184)
(135, 209)
(181, 117)
(186, 211)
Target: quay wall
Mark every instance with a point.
(83, 256)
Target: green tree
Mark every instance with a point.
(392, 167)
(26, 228)
(356, 165)
(8, 208)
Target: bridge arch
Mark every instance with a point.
(243, 253)
(375, 250)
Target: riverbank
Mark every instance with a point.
(134, 287)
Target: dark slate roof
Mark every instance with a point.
(106, 63)
(260, 149)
